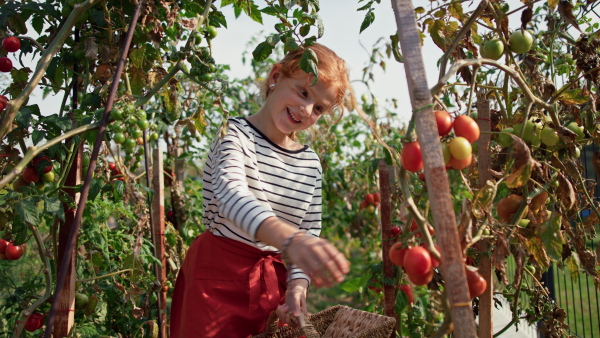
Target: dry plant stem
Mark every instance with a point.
(587, 194)
(414, 212)
(466, 27)
(34, 151)
(527, 111)
(48, 276)
(472, 91)
(514, 307)
(104, 276)
(46, 58)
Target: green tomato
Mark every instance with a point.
(520, 41)
(129, 143)
(85, 161)
(577, 129)
(549, 136)
(504, 139)
(460, 148)
(143, 124)
(211, 32)
(154, 136)
(523, 223)
(116, 114)
(48, 177)
(136, 133)
(119, 138)
(81, 300)
(492, 49)
(204, 77)
(446, 153)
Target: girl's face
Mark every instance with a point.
(294, 104)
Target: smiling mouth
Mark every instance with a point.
(293, 116)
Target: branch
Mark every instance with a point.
(47, 294)
(15, 104)
(34, 151)
(104, 276)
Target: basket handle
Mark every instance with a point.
(302, 321)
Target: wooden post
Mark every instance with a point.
(389, 292)
(158, 217)
(453, 267)
(65, 316)
(180, 171)
(486, 301)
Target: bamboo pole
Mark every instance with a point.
(452, 263)
(158, 229)
(486, 300)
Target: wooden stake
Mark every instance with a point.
(485, 264)
(453, 266)
(158, 217)
(389, 292)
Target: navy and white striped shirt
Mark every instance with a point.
(247, 178)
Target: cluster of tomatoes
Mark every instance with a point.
(39, 171)
(115, 173)
(127, 129)
(419, 265)
(457, 150)
(370, 201)
(11, 45)
(202, 63)
(11, 252)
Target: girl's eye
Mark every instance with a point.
(304, 93)
(319, 109)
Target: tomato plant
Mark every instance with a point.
(411, 157)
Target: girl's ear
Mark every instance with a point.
(275, 73)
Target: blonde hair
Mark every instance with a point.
(333, 71)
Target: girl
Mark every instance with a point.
(262, 209)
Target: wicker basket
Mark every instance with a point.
(335, 322)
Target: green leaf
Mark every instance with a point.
(369, 18)
(118, 189)
(262, 51)
(401, 302)
(253, 12)
(552, 237)
(38, 24)
(355, 284)
(95, 189)
(27, 210)
(90, 308)
(572, 97)
(20, 230)
(53, 205)
(138, 80)
(37, 135)
(308, 63)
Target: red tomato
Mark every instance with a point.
(477, 284)
(407, 289)
(421, 279)
(395, 231)
(417, 261)
(34, 322)
(422, 176)
(46, 160)
(13, 252)
(3, 99)
(411, 157)
(3, 245)
(377, 197)
(460, 164)
(5, 64)
(444, 122)
(370, 199)
(11, 44)
(112, 166)
(397, 253)
(466, 127)
(434, 262)
(30, 175)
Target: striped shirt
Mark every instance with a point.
(247, 179)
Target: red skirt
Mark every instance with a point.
(225, 288)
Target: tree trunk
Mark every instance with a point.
(453, 267)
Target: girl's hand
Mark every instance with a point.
(295, 302)
(319, 259)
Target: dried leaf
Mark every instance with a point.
(536, 247)
(90, 308)
(526, 16)
(465, 228)
(566, 193)
(484, 199)
(552, 237)
(90, 49)
(523, 166)
(499, 256)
